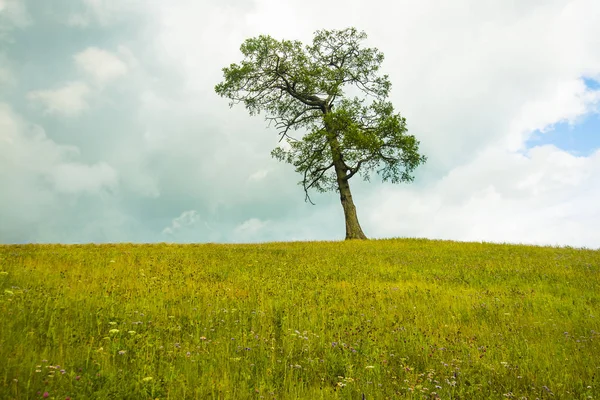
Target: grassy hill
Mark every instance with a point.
(381, 319)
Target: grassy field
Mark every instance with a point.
(407, 318)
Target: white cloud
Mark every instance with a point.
(185, 220)
(102, 12)
(27, 153)
(40, 179)
(13, 13)
(258, 175)
(7, 78)
(547, 196)
(101, 65)
(80, 178)
(566, 101)
(69, 100)
(250, 228)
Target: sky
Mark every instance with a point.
(110, 130)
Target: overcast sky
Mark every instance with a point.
(110, 129)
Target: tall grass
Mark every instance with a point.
(407, 318)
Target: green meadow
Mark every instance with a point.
(378, 319)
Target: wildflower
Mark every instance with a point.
(147, 379)
(131, 332)
(77, 377)
(113, 331)
(46, 394)
(369, 367)
(112, 323)
(121, 352)
(202, 338)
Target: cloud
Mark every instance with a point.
(546, 196)
(101, 65)
(185, 220)
(13, 13)
(7, 77)
(81, 178)
(258, 175)
(27, 153)
(102, 12)
(567, 101)
(68, 100)
(73, 98)
(250, 228)
(43, 182)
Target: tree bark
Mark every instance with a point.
(353, 229)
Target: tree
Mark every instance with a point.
(306, 88)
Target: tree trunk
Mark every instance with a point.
(353, 229)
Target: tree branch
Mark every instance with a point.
(320, 172)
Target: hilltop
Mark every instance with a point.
(402, 318)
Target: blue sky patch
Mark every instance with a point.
(581, 139)
(592, 84)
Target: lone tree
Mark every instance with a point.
(306, 88)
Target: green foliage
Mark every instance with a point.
(305, 88)
(412, 319)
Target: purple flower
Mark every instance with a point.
(46, 394)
